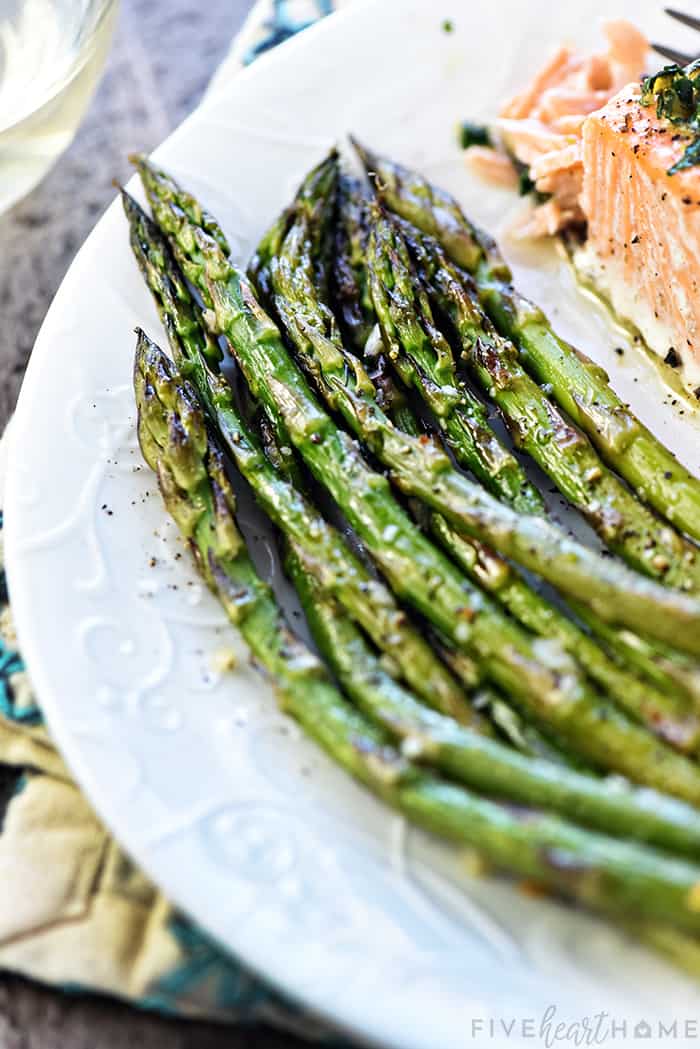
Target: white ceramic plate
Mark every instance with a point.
(282, 858)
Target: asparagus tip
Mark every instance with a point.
(149, 353)
(143, 345)
(362, 151)
(131, 206)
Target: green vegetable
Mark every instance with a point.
(292, 280)
(618, 877)
(670, 671)
(486, 765)
(541, 682)
(325, 553)
(580, 387)
(487, 701)
(258, 268)
(192, 480)
(670, 715)
(351, 294)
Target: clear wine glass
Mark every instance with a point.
(51, 55)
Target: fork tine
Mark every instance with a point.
(689, 20)
(674, 56)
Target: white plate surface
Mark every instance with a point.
(245, 825)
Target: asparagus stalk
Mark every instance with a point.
(466, 423)
(353, 299)
(637, 672)
(677, 947)
(564, 852)
(670, 671)
(579, 386)
(351, 293)
(667, 714)
(429, 366)
(485, 764)
(322, 548)
(618, 877)
(315, 192)
(624, 524)
(319, 182)
(516, 729)
(552, 692)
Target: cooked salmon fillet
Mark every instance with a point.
(600, 160)
(643, 246)
(541, 126)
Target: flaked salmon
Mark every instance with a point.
(541, 127)
(618, 157)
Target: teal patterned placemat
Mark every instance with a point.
(285, 21)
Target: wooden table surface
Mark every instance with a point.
(161, 60)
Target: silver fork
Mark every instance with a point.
(678, 57)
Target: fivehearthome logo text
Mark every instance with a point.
(550, 1030)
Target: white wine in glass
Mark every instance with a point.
(51, 55)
